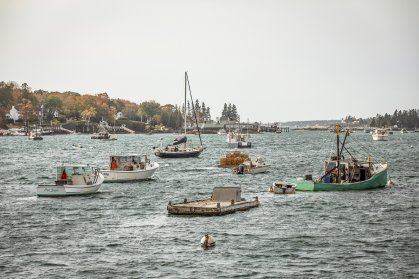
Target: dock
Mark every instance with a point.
(224, 200)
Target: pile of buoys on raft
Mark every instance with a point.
(233, 159)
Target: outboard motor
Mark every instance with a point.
(241, 169)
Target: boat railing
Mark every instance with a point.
(96, 173)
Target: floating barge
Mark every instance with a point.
(224, 200)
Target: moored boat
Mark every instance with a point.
(346, 174)
(221, 132)
(181, 147)
(36, 134)
(252, 167)
(237, 139)
(123, 168)
(101, 135)
(380, 135)
(281, 187)
(72, 180)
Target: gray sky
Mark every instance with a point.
(276, 60)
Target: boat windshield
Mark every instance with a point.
(330, 166)
(127, 163)
(73, 170)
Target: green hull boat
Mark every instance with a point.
(340, 173)
(376, 181)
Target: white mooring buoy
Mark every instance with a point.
(207, 241)
(390, 183)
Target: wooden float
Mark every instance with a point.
(224, 200)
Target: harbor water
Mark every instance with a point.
(124, 231)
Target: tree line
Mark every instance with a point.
(407, 119)
(230, 111)
(60, 107)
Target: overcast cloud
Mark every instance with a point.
(276, 60)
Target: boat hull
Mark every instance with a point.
(380, 137)
(379, 180)
(239, 144)
(125, 176)
(260, 169)
(178, 154)
(45, 190)
(73, 190)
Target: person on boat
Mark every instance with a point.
(64, 175)
(114, 165)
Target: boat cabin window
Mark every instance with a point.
(330, 166)
(127, 163)
(72, 170)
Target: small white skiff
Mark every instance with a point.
(281, 187)
(71, 181)
(252, 167)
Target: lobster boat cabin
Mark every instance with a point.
(124, 168)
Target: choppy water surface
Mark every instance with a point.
(124, 230)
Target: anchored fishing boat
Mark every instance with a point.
(224, 200)
(36, 134)
(72, 180)
(181, 147)
(103, 135)
(237, 139)
(380, 135)
(252, 167)
(346, 174)
(124, 168)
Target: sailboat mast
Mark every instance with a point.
(338, 153)
(193, 109)
(186, 75)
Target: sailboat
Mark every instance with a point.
(181, 147)
(340, 173)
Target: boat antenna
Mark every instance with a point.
(337, 130)
(193, 107)
(344, 140)
(186, 78)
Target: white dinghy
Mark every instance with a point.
(281, 187)
(72, 180)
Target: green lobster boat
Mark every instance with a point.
(342, 174)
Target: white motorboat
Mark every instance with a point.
(403, 131)
(238, 140)
(72, 180)
(36, 134)
(129, 168)
(221, 132)
(252, 167)
(281, 187)
(380, 135)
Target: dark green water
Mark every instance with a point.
(124, 231)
